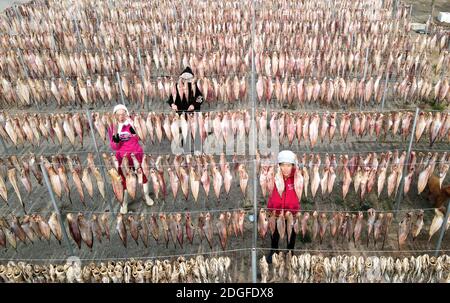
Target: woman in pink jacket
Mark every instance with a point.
(126, 142)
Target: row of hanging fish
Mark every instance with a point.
(332, 62)
(131, 22)
(339, 91)
(306, 268)
(56, 15)
(348, 227)
(178, 228)
(186, 173)
(305, 35)
(312, 127)
(59, 169)
(323, 20)
(108, 91)
(191, 175)
(231, 89)
(366, 172)
(346, 63)
(151, 127)
(28, 230)
(196, 269)
(34, 128)
(87, 64)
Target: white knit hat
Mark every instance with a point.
(286, 156)
(119, 107)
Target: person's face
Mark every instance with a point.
(286, 169)
(183, 81)
(121, 115)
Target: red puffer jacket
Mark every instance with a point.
(288, 200)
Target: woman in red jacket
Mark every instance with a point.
(287, 201)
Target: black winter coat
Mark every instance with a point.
(191, 99)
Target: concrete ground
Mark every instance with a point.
(7, 3)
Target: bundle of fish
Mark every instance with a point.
(171, 225)
(343, 226)
(364, 171)
(339, 91)
(180, 270)
(187, 172)
(306, 268)
(29, 229)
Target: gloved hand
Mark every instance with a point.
(116, 138)
(132, 130)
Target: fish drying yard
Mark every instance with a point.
(359, 95)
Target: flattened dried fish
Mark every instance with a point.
(96, 228)
(134, 227)
(189, 228)
(85, 230)
(55, 227)
(121, 229)
(104, 219)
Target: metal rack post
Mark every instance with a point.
(55, 207)
(141, 70)
(364, 76)
(386, 84)
(255, 206)
(120, 87)
(408, 156)
(91, 126)
(443, 229)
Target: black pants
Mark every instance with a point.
(276, 239)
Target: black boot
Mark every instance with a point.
(269, 257)
(274, 245)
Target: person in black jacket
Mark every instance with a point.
(189, 97)
(188, 100)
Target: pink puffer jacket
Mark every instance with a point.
(129, 143)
